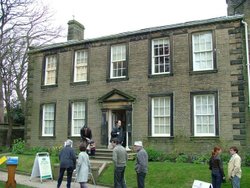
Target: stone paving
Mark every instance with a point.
(35, 182)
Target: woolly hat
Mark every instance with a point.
(138, 143)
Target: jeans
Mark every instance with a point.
(119, 181)
(141, 179)
(235, 182)
(69, 176)
(216, 179)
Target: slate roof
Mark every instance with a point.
(138, 32)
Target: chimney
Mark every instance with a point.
(75, 30)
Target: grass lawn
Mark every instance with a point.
(160, 174)
(171, 175)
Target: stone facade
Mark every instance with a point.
(131, 95)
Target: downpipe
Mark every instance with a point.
(247, 58)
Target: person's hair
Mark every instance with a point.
(115, 140)
(82, 147)
(68, 143)
(216, 150)
(234, 148)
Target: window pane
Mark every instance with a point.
(50, 70)
(78, 117)
(160, 56)
(202, 51)
(118, 61)
(161, 116)
(81, 63)
(48, 120)
(204, 115)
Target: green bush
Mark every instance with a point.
(54, 151)
(182, 158)
(155, 155)
(18, 146)
(247, 159)
(200, 159)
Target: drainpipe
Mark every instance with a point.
(247, 57)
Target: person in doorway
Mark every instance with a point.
(120, 158)
(86, 135)
(67, 159)
(82, 167)
(141, 165)
(234, 167)
(216, 167)
(117, 132)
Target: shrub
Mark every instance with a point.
(155, 155)
(182, 158)
(201, 159)
(18, 146)
(54, 151)
(247, 159)
(171, 157)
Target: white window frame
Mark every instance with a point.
(81, 62)
(50, 69)
(48, 119)
(118, 62)
(165, 116)
(162, 46)
(202, 45)
(204, 114)
(78, 117)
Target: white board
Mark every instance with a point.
(42, 166)
(201, 184)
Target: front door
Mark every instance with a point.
(116, 105)
(109, 117)
(115, 116)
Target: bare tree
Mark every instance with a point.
(24, 23)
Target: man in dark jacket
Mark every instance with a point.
(117, 132)
(67, 159)
(86, 133)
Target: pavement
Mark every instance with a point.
(36, 183)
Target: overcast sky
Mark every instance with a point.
(106, 17)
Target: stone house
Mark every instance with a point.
(181, 87)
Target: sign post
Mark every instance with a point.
(42, 167)
(11, 164)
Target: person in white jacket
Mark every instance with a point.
(82, 167)
(234, 168)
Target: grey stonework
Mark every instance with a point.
(229, 80)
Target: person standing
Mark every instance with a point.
(234, 167)
(120, 158)
(216, 167)
(67, 159)
(141, 165)
(82, 167)
(117, 132)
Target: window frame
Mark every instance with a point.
(42, 120)
(215, 108)
(151, 123)
(152, 55)
(213, 51)
(110, 70)
(74, 66)
(44, 75)
(71, 116)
